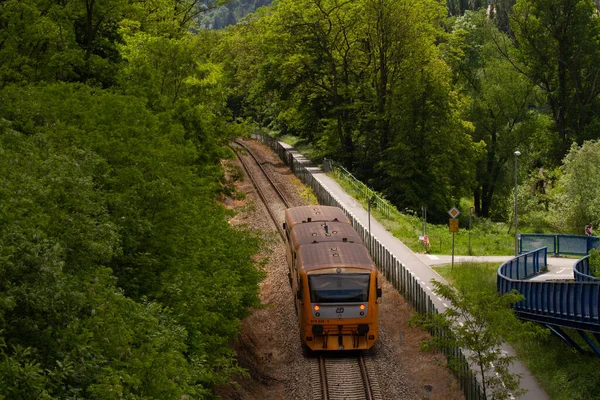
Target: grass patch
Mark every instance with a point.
(564, 373)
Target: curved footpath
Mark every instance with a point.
(414, 263)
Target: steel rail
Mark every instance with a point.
(365, 375)
(281, 196)
(323, 375)
(259, 190)
(346, 378)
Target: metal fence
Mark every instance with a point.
(581, 271)
(559, 244)
(574, 304)
(401, 278)
(524, 266)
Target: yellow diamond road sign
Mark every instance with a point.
(453, 212)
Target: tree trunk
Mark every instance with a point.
(477, 200)
(89, 30)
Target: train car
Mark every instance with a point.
(311, 215)
(303, 214)
(334, 280)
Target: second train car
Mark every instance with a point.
(333, 278)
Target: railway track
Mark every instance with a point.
(337, 376)
(274, 200)
(344, 377)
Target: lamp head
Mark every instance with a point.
(517, 153)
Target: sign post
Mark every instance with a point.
(453, 224)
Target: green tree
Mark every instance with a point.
(595, 262)
(365, 84)
(558, 45)
(43, 40)
(478, 320)
(120, 258)
(575, 198)
(502, 108)
(66, 329)
(323, 37)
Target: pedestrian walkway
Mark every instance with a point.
(424, 273)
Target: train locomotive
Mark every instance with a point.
(333, 278)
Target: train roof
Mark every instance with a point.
(334, 255)
(315, 213)
(315, 232)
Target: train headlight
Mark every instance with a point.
(317, 307)
(362, 306)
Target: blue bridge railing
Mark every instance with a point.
(571, 304)
(581, 271)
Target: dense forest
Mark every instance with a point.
(428, 103)
(121, 277)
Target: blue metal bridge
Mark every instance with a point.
(571, 304)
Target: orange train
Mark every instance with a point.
(333, 278)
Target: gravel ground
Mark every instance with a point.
(269, 343)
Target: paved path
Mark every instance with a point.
(415, 264)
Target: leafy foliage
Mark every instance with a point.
(502, 123)
(595, 262)
(575, 196)
(558, 50)
(364, 83)
(121, 275)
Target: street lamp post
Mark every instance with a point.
(517, 154)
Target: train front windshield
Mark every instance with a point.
(339, 288)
